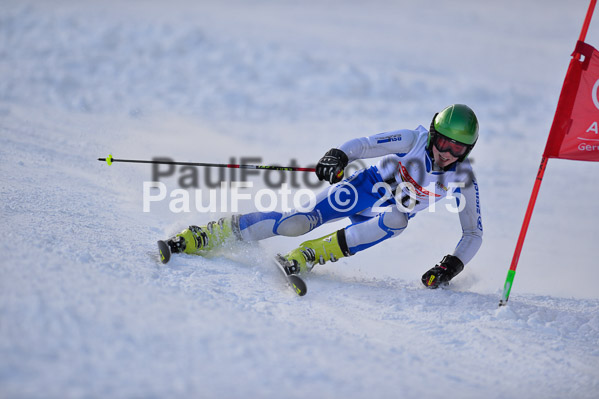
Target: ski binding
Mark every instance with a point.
(294, 281)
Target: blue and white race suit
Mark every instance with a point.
(380, 200)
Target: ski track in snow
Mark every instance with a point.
(87, 310)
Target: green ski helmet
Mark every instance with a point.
(454, 129)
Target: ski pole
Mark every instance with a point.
(110, 160)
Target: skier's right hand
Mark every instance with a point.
(331, 166)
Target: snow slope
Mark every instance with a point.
(86, 309)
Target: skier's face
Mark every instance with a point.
(443, 159)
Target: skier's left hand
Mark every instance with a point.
(331, 166)
(441, 274)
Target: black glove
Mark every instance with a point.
(440, 275)
(331, 166)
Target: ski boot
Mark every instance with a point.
(200, 240)
(321, 250)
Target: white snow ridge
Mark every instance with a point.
(88, 311)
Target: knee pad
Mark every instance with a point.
(296, 225)
(394, 220)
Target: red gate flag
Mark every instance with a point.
(575, 130)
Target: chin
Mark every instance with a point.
(441, 163)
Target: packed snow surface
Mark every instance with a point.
(87, 309)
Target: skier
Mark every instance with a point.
(418, 167)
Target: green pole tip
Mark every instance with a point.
(109, 160)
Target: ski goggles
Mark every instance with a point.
(445, 144)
